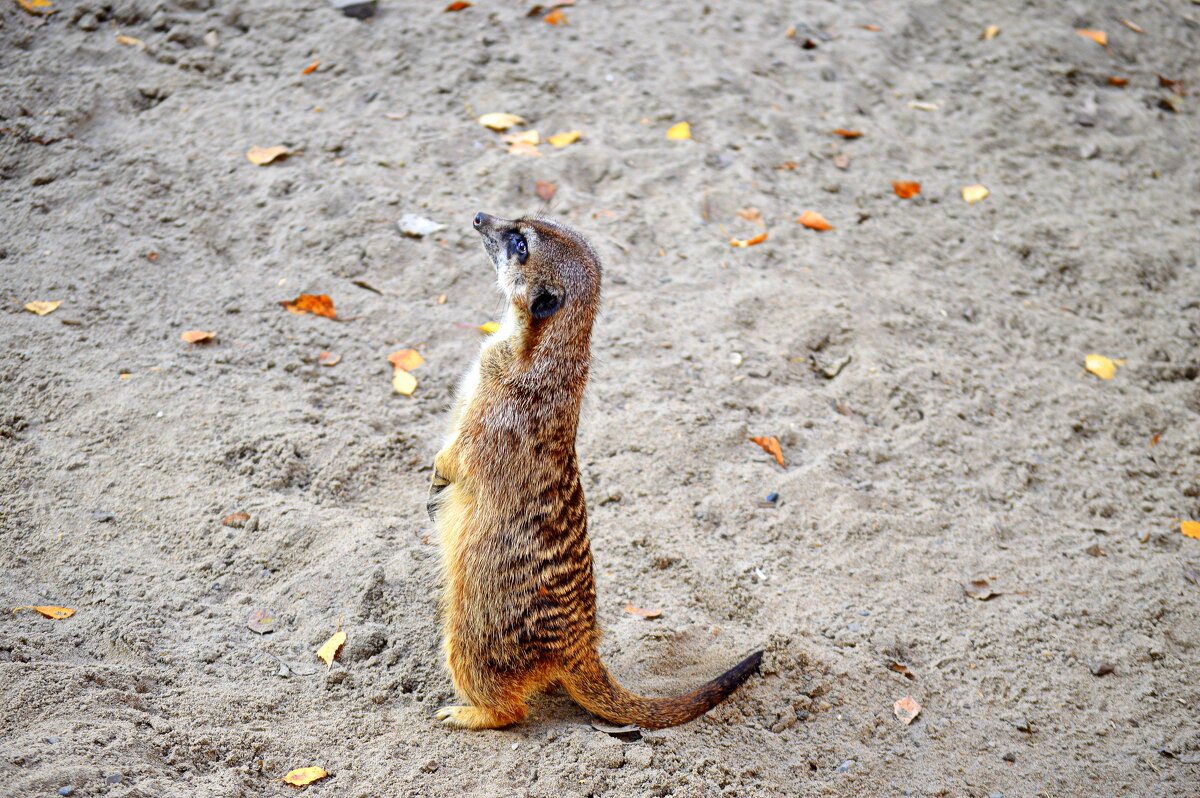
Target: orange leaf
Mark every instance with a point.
(555, 17)
(1098, 36)
(328, 652)
(814, 221)
(131, 41)
(320, 304)
(407, 359)
(847, 134)
(458, 5)
(632, 610)
(1114, 81)
(1189, 528)
(301, 777)
(237, 520)
(198, 337)
(748, 242)
(261, 156)
(328, 358)
(53, 613)
(544, 190)
(771, 447)
(38, 7)
(906, 710)
(308, 70)
(905, 189)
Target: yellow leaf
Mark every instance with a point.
(1190, 528)
(991, 32)
(490, 327)
(197, 337)
(54, 613)
(975, 193)
(680, 131)
(771, 447)
(407, 359)
(132, 42)
(521, 148)
(403, 382)
(42, 308)
(1101, 366)
(1098, 36)
(301, 777)
(563, 139)
(39, 7)
(500, 121)
(530, 137)
(261, 156)
(328, 652)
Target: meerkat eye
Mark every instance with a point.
(518, 247)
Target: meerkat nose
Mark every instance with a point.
(478, 221)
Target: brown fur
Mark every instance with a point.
(519, 604)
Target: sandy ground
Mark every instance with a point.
(961, 438)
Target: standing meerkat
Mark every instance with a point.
(519, 607)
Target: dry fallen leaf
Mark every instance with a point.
(616, 731)
(906, 189)
(872, 28)
(1101, 366)
(771, 447)
(748, 242)
(563, 139)
(1189, 528)
(131, 41)
(679, 131)
(906, 710)
(311, 68)
(326, 358)
(1133, 26)
(301, 777)
(53, 613)
(329, 651)
(632, 610)
(847, 134)
(261, 622)
(529, 137)
(980, 589)
(1098, 36)
(522, 148)
(500, 122)
(1115, 81)
(42, 308)
(403, 382)
(544, 190)
(921, 106)
(407, 359)
(903, 669)
(320, 304)
(991, 32)
(261, 156)
(457, 5)
(555, 17)
(975, 193)
(814, 221)
(198, 337)
(236, 520)
(1174, 85)
(38, 7)
(489, 327)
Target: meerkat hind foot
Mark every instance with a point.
(470, 717)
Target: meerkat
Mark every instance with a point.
(519, 601)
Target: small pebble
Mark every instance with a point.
(52, 740)
(113, 778)
(1009, 757)
(845, 766)
(102, 516)
(1102, 668)
(359, 9)
(66, 790)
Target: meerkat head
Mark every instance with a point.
(545, 269)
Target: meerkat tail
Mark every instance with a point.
(594, 689)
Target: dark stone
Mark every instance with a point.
(359, 9)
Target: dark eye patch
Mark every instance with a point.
(518, 247)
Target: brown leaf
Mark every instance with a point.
(53, 613)
(328, 358)
(1174, 85)
(328, 652)
(906, 710)
(647, 614)
(366, 286)
(771, 446)
(311, 68)
(748, 242)
(555, 17)
(1115, 81)
(906, 189)
(544, 190)
(42, 308)
(407, 359)
(788, 166)
(847, 134)
(237, 520)
(261, 622)
(1098, 36)
(872, 28)
(457, 5)
(898, 668)
(261, 156)
(320, 304)
(980, 589)
(814, 221)
(198, 337)
(301, 777)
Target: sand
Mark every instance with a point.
(922, 364)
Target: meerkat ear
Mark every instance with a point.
(544, 305)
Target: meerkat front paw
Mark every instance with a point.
(469, 717)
